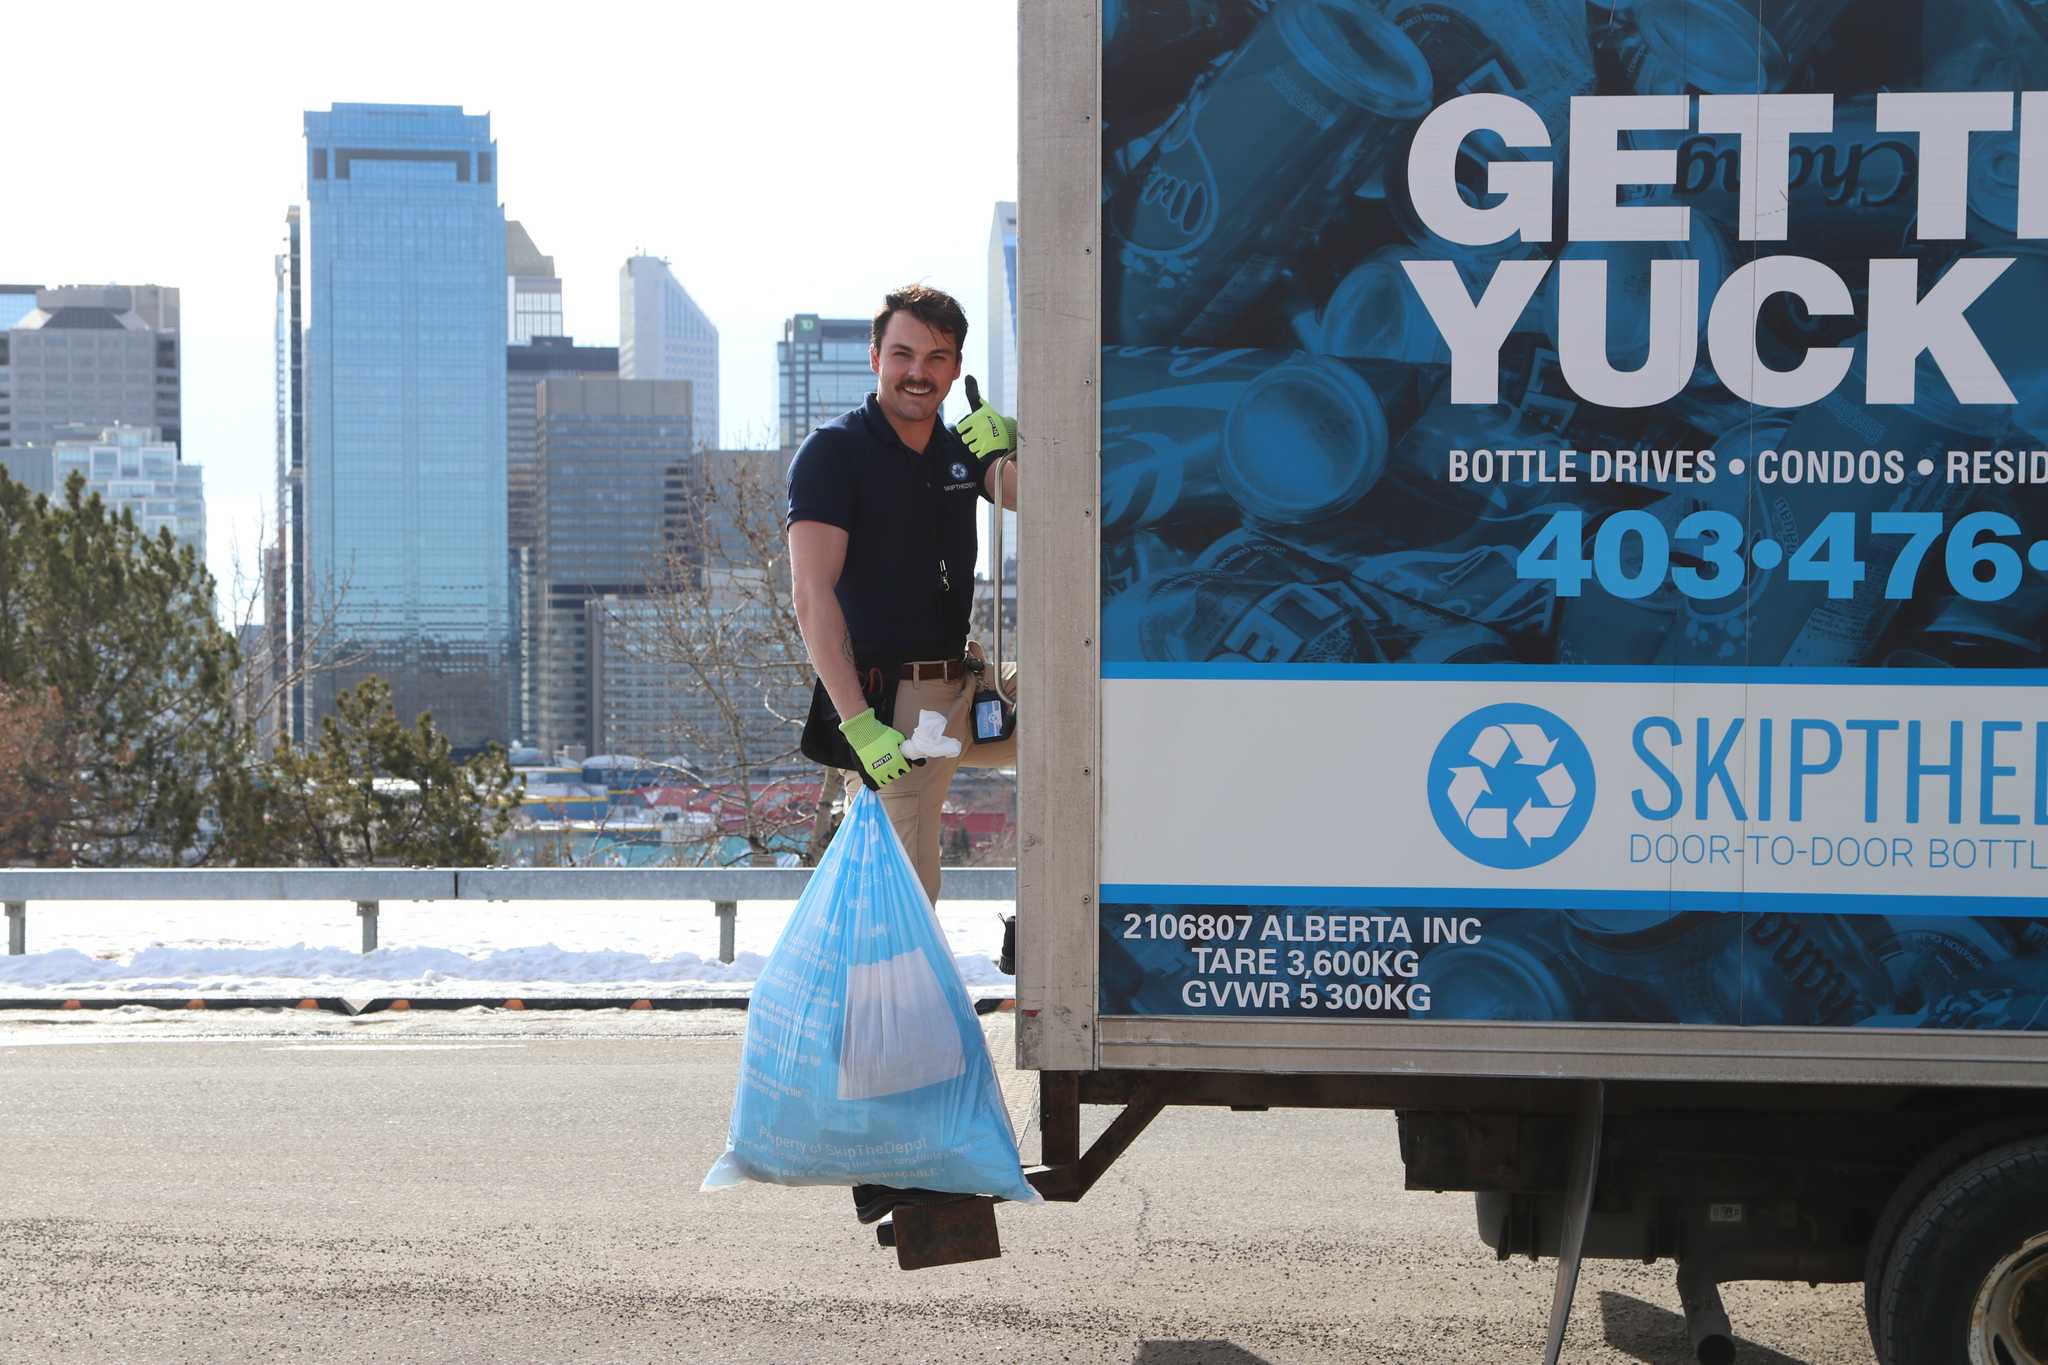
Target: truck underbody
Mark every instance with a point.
(1877, 1184)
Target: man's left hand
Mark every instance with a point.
(986, 431)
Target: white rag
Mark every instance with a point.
(929, 740)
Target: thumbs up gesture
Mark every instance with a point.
(986, 431)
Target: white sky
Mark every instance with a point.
(785, 156)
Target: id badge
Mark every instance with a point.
(988, 717)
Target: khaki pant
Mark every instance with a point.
(915, 801)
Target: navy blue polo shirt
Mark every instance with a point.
(910, 522)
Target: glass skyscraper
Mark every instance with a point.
(526, 366)
(663, 334)
(405, 486)
(532, 287)
(821, 371)
(1001, 388)
(285, 589)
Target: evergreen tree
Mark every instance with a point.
(373, 792)
(116, 629)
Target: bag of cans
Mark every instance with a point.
(864, 1062)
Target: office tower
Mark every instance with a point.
(405, 459)
(525, 368)
(755, 674)
(285, 588)
(1000, 388)
(33, 467)
(533, 292)
(821, 371)
(93, 356)
(616, 458)
(663, 334)
(17, 301)
(133, 469)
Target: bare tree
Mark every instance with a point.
(266, 678)
(720, 613)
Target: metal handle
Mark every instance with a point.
(1003, 462)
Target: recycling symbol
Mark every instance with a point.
(1511, 786)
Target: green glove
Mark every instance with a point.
(879, 748)
(986, 431)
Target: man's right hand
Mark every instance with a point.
(879, 748)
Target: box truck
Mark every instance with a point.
(1534, 616)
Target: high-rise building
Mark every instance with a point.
(285, 585)
(644, 700)
(33, 467)
(405, 460)
(93, 356)
(133, 469)
(1001, 391)
(1001, 321)
(525, 368)
(821, 371)
(616, 465)
(663, 334)
(17, 301)
(533, 292)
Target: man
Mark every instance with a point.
(883, 506)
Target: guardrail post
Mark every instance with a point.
(17, 928)
(367, 911)
(728, 924)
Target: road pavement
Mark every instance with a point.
(489, 1187)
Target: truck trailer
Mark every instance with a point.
(1532, 608)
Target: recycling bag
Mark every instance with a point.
(864, 1062)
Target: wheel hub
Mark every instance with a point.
(2009, 1323)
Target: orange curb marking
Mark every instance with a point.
(74, 1005)
(401, 1005)
(195, 1004)
(641, 1005)
(309, 1004)
(515, 1004)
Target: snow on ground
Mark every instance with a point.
(534, 949)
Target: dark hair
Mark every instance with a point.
(934, 308)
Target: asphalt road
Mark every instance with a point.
(523, 1188)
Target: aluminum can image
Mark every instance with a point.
(1720, 47)
(1501, 978)
(1854, 188)
(1799, 624)
(1314, 101)
(1284, 436)
(1534, 50)
(1159, 49)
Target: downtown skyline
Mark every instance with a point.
(737, 159)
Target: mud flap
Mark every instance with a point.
(1578, 1208)
(927, 1235)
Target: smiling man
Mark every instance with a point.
(882, 536)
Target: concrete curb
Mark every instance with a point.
(396, 1004)
(332, 1004)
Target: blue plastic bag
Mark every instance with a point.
(864, 1062)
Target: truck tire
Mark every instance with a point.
(1924, 1176)
(1967, 1279)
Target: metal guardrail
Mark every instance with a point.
(369, 887)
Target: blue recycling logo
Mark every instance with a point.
(1511, 786)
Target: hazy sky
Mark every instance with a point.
(785, 156)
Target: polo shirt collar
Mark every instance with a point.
(881, 430)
